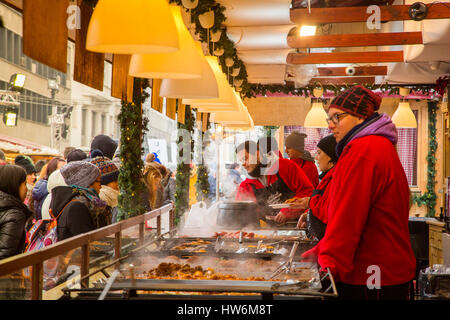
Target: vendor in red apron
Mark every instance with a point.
(270, 182)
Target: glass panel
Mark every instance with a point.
(17, 48)
(3, 43)
(39, 69)
(9, 45)
(16, 285)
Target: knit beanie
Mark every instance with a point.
(296, 141)
(328, 145)
(108, 169)
(55, 180)
(76, 155)
(25, 163)
(358, 101)
(80, 173)
(105, 144)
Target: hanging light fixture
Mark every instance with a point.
(316, 117)
(204, 88)
(185, 63)
(404, 117)
(132, 26)
(207, 21)
(230, 117)
(215, 37)
(234, 106)
(218, 52)
(226, 93)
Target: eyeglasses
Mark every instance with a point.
(335, 118)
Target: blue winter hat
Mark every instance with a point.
(156, 158)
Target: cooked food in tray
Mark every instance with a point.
(186, 272)
(235, 235)
(198, 245)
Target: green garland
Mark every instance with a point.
(429, 198)
(202, 184)
(224, 42)
(183, 169)
(132, 127)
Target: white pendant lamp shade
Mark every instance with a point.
(404, 117)
(185, 63)
(234, 106)
(132, 26)
(203, 88)
(316, 117)
(240, 117)
(226, 94)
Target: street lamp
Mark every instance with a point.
(17, 82)
(10, 116)
(53, 86)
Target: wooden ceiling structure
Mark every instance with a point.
(352, 43)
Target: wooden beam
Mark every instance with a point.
(339, 3)
(359, 14)
(345, 57)
(355, 40)
(360, 71)
(16, 4)
(343, 81)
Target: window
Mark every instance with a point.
(17, 52)
(407, 151)
(3, 43)
(9, 45)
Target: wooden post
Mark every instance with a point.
(84, 265)
(117, 247)
(141, 233)
(36, 281)
(171, 219)
(158, 224)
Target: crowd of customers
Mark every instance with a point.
(80, 190)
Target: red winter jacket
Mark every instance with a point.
(368, 216)
(292, 176)
(310, 169)
(319, 203)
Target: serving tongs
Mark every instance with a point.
(286, 266)
(241, 249)
(218, 244)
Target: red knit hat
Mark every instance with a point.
(358, 101)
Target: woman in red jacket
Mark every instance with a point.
(295, 149)
(316, 218)
(366, 244)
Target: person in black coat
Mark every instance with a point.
(14, 214)
(77, 206)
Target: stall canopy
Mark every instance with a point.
(12, 147)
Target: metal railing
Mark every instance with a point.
(36, 259)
